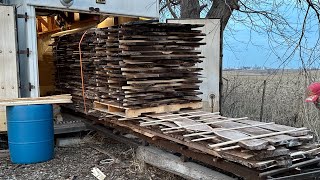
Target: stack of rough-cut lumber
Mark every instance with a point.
(100, 61)
(152, 64)
(114, 58)
(68, 75)
(258, 145)
(135, 65)
(108, 72)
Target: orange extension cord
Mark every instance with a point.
(82, 75)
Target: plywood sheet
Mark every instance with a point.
(8, 59)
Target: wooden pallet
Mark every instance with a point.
(132, 113)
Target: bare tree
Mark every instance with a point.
(193, 8)
(292, 26)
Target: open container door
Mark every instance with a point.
(8, 60)
(210, 87)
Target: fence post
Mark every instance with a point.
(262, 99)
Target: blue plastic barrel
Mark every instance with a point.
(30, 133)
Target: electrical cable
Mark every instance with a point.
(82, 75)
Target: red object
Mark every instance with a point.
(314, 92)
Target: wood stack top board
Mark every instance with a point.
(152, 64)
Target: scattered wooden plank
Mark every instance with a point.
(252, 131)
(255, 153)
(233, 135)
(279, 127)
(208, 123)
(168, 124)
(223, 129)
(58, 99)
(254, 137)
(152, 133)
(183, 122)
(155, 122)
(244, 160)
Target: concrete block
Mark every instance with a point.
(68, 141)
(4, 153)
(171, 163)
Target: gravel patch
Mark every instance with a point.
(76, 162)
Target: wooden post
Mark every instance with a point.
(262, 99)
(51, 23)
(39, 25)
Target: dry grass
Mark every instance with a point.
(284, 97)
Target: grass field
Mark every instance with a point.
(285, 92)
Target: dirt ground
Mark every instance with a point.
(75, 162)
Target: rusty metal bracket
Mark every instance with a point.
(25, 16)
(27, 52)
(101, 1)
(30, 86)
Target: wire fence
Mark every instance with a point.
(276, 98)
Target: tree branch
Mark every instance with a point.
(312, 5)
(170, 9)
(202, 7)
(222, 9)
